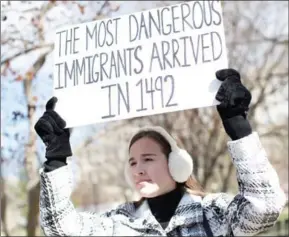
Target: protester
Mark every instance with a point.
(172, 202)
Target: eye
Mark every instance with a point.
(148, 159)
(132, 163)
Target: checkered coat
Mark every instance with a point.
(254, 209)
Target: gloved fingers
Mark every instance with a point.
(241, 97)
(67, 131)
(224, 74)
(220, 93)
(56, 117)
(50, 119)
(48, 139)
(43, 128)
(50, 105)
(237, 98)
(221, 107)
(248, 97)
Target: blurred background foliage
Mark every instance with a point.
(257, 44)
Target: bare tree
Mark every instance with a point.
(102, 162)
(257, 47)
(35, 39)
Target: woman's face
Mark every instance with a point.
(149, 168)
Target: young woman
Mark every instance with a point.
(172, 203)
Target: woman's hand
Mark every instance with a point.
(234, 104)
(233, 95)
(51, 129)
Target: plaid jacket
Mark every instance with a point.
(254, 209)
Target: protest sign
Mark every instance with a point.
(156, 61)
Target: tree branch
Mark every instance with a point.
(26, 51)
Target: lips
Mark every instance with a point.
(141, 182)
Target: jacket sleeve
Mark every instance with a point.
(260, 199)
(58, 216)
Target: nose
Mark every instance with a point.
(139, 171)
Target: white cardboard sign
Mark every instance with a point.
(156, 61)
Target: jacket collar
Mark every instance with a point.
(188, 212)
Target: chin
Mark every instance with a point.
(148, 195)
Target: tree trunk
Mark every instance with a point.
(33, 210)
(31, 166)
(3, 208)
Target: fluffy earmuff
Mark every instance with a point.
(180, 165)
(179, 161)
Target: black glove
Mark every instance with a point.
(234, 100)
(51, 129)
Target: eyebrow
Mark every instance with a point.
(143, 155)
(148, 154)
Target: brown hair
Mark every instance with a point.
(192, 186)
